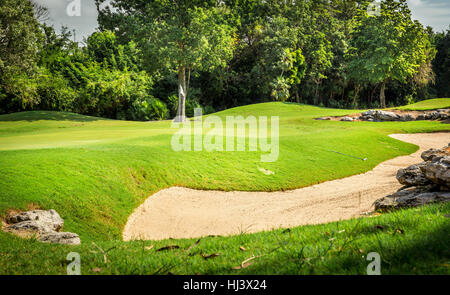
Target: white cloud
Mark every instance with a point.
(84, 25)
(433, 13)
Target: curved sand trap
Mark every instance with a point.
(185, 213)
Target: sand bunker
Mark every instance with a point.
(185, 213)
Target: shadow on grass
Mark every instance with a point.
(47, 115)
(425, 254)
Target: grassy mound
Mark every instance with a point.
(430, 104)
(95, 172)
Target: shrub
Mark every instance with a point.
(55, 93)
(147, 109)
(191, 105)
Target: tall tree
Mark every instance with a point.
(20, 37)
(182, 35)
(387, 46)
(441, 64)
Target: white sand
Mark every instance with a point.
(185, 213)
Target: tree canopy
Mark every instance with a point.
(160, 59)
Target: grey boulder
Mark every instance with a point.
(432, 154)
(47, 219)
(426, 183)
(411, 197)
(387, 116)
(43, 224)
(378, 115)
(412, 176)
(30, 226)
(438, 171)
(369, 113)
(406, 117)
(60, 238)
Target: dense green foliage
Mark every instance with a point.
(95, 172)
(395, 54)
(19, 41)
(158, 59)
(441, 64)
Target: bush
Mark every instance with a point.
(208, 110)
(172, 102)
(191, 105)
(54, 92)
(110, 92)
(148, 109)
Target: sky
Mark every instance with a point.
(434, 13)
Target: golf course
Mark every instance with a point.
(96, 172)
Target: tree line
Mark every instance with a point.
(160, 59)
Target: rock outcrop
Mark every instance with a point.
(394, 115)
(412, 176)
(438, 171)
(411, 197)
(48, 219)
(425, 183)
(381, 116)
(60, 238)
(434, 153)
(377, 115)
(45, 225)
(30, 226)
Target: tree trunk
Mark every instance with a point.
(316, 94)
(297, 97)
(355, 96)
(372, 94)
(181, 112)
(188, 82)
(382, 97)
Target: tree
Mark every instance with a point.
(20, 37)
(388, 46)
(318, 59)
(279, 62)
(183, 36)
(195, 40)
(441, 64)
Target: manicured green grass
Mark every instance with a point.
(430, 104)
(95, 172)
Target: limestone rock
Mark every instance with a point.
(378, 115)
(43, 224)
(438, 170)
(431, 154)
(49, 218)
(406, 117)
(427, 182)
(412, 197)
(369, 113)
(30, 226)
(422, 117)
(60, 238)
(387, 116)
(412, 176)
(347, 119)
